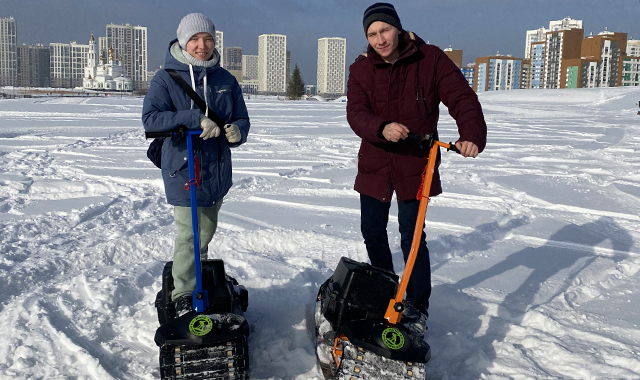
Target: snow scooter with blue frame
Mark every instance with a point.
(209, 342)
(359, 331)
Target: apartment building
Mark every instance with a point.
(272, 63)
(67, 64)
(332, 52)
(497, 73)
(631, 64)
(534, 36)
(34, 66)
(600, 63)
(233, 61)
(454, 55)
(535, 49)
(633, 48)
(8, 52)
(469, 73)
(129, 44)
(560, 46)
(219, 46)
(249, 67)
(536, 68)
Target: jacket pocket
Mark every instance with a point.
(369, 163)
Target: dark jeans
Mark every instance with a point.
(374, 216)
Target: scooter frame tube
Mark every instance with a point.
(394, 310)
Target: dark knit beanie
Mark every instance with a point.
(384, 12)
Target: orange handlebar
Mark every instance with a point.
(394, 310)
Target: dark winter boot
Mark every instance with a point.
(184, 304)
(413, 319)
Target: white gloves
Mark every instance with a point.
(209, 128)
(232, 133)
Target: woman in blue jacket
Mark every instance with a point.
(166, 106)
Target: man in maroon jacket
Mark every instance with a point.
(393, 89)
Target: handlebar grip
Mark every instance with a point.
(153, 135)
(181, 131)
(454, 148)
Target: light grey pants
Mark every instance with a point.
(184, 276)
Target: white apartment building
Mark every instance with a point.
(631, 64)
(129, 43)
(565, 24)
(250, 67)
(633, 48)
(272, 63)
(332, 52)
(536, 35)
(8, 52)
(67, 64)
(219, 45)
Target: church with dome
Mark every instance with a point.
(105, 74)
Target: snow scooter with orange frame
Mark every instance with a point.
(209, 342)
(359, 332)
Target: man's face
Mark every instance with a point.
(200, 46)
(384, 39)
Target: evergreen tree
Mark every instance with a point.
(295, 90)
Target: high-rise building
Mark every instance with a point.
(560, 46)
(536, 35)
(454, 55)
(600, 63)
(129, 43)
(219, 45)
(249, 67)
(633, 48)
(332, 53)
(498, 73)
(34, 66)
(535, 49)
(233, 61)
(8, 52)
(565, 24)
(536, 68)
(526, 73)
(67, 64)
(631, 71)
(631, 64)
(272, 63)
(103, 48)
(288, 68)
(233, 58)
(469, 73)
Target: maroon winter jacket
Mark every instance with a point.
(407, 92)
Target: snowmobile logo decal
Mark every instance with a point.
(200, 325)
(393, 338)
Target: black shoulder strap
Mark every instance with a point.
(195, 97)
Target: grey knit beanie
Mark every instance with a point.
(194, 23)
(384, 12)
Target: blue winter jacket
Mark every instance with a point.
(166, 106)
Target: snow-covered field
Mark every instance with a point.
(534, 244)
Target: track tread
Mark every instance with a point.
(228, 361)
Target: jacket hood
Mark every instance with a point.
(176, 61)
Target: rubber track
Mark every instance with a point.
(228, 361)
(357, 363)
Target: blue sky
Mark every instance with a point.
(478, 27)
